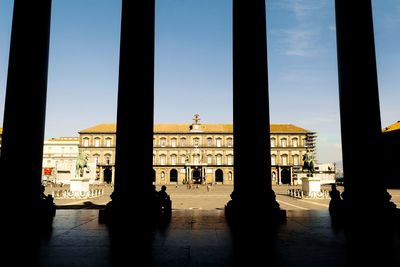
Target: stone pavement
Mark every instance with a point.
(216, 198)
(203, 238)
(198, 235)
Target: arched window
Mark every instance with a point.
(209, 141)
(230, 176)
(273, 159)
(183, 159)
(283, 142)
(163, 142)
(304, 141)
(162, 175)
(219, 142)
(86, 142)
(295, 159)
(163, 160)
(219, 159)
(229, 159)
(173, 142)
(183, 141)
(97, 141)
(284, 159)
(108, 142)
(196, 159)
(273, 142)
(96, 158)
(108, 159)
(229, 142)
(209, 159)
(196, 141)
(295, 142)
(173, 159)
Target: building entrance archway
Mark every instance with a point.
(196, 176)
(219, 176)
(107, 175)
(285, 176)
(173, 176)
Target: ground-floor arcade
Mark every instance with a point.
(192, 174)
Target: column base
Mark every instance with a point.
(240, 213)
(265, 209)
(119, 214)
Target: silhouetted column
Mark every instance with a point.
(25, 105)
(135, 110)
(252, 181)
(359, 104)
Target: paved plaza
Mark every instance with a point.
(198, 235)
(213, 198)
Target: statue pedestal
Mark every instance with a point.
(311, 186)
(79, 186)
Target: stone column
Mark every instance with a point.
(189, 171)
(101, 174)
(251, 123)
(359, 104)
(25, 104)
(113, 175)
(135, 109)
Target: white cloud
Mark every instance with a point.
(302, 8)
(299, 37)
(297, 42)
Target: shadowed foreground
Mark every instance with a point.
(203, 238)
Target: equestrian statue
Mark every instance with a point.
(308, 160)
(81, 164)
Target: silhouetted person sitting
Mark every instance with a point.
(165, 200)
(155, 202)
(336, 203)
(230, 207)
(47, 206)
(336, 207)
(107, 215)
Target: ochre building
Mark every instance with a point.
(199, 153)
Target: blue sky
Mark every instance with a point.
(193, 66)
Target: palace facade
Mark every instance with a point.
(199, 153)
(59, 157)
